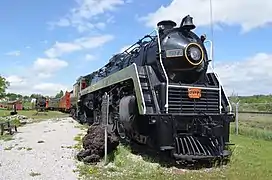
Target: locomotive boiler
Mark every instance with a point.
(161, 95)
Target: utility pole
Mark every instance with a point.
(212, 34)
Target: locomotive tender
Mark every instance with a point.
(161, 95)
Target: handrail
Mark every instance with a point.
(211, 49)
(164, 72)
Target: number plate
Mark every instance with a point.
(194, 93)
(174, 53)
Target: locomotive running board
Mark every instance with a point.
(129, 72)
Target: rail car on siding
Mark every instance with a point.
(62, 104)
(161, 95)
(53, 104)
(65, 103)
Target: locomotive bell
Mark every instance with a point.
(187, 23)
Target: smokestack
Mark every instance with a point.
(166, 24)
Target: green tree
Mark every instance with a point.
(35, 95)
(12, 96)
(4, 84)
(59, 95)
(26, 98)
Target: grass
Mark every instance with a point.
(32, 114)
(29, 114)
(254, 103)
(81, 127)
(251, 159)
(6, 137)
(33, 174)
(255, 126)
(8, 148)
(262, 107)
(78, 139)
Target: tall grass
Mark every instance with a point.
(254, 126)
(253, 132)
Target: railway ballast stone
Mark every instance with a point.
(93, 144)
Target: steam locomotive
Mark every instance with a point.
(161, 95)
(40, 103)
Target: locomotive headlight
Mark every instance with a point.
(194, 54)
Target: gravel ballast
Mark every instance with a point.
(41, 150)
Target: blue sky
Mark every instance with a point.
(89, 32)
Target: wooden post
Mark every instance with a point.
(105, 120)
(2, 129)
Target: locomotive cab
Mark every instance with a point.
(83, 84)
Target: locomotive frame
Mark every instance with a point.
(188, 118)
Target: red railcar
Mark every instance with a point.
(46, 103)
(65, 103)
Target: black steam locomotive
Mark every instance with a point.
(161, 95)
(40, 104)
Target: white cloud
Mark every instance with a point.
(34, 85)
(63, 22)
(28, 86)
(13, 53)
(246, 77)
(33, 80)
(61, 48)
(84, 15)
(44, 68)
(100, 25)
(49, 88)
(94, 41)
(248, 14)
(81, 43)
(124, 48)
(16, 81)
(89, 57)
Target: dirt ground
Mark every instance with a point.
(42, 150)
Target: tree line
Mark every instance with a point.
(252, 99)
